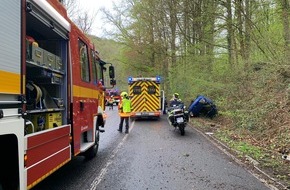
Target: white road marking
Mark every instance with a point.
(104, 170)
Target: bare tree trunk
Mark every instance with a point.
(248, 18)
(151, 36)
(186, 30)
(230, 35)
(285, 17)
(173, 24)
(194, 26)
(212, 18)
(163, 44)
(240, 26)
(200, 28)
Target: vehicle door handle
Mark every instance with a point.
(82, 106)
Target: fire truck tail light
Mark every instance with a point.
(157, 113)
(25, 159)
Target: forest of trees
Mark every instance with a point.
(236, 52)
(203, 46)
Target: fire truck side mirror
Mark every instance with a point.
(111, 72)
(113, 82)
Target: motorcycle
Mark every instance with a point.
(178, 117)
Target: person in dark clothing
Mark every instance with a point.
(175, 100)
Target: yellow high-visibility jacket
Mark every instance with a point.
(125, 108)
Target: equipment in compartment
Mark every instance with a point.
(53, 120)
(47, 99)
(46, 77)
(43, 121)
(59, 102)
(33, 96)
(41, 56)
(48, 59)
(56, 78)
(39, 121)
(39, 98)
(34, 53)
(58, 63)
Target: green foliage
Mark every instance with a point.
(243, 148)
(240, 62)
(248, 149)
(111, 52)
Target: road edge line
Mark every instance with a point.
(259, 172)
(99, 178)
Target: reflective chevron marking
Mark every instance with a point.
(144, 101)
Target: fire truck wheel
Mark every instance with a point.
(92, 152)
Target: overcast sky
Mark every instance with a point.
(93, 6)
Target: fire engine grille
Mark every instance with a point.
(145, 96)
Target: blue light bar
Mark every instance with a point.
(130, 79)
(158, 78)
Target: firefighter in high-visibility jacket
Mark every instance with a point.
(124, 112)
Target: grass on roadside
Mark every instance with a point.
(237, 140)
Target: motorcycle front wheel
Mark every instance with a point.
(182, 129)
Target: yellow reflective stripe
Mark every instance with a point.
(83, 92)
(9, 83)
(122, 114)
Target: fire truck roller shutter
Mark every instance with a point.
(45, 13)
(10, 63)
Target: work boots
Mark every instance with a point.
(127, 130)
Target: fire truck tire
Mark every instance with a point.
(92, 152)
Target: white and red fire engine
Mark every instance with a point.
(51, 92)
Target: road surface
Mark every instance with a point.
(152, 156)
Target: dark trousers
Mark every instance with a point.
(126, 123)
(111, 106)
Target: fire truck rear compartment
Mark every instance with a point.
(46, 57)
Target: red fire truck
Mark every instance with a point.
(114, 94)
(51, 92)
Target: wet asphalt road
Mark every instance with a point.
(152, 156)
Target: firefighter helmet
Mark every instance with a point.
(124, 94)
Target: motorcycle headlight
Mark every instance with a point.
(178, 112)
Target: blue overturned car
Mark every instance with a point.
(202, 106)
